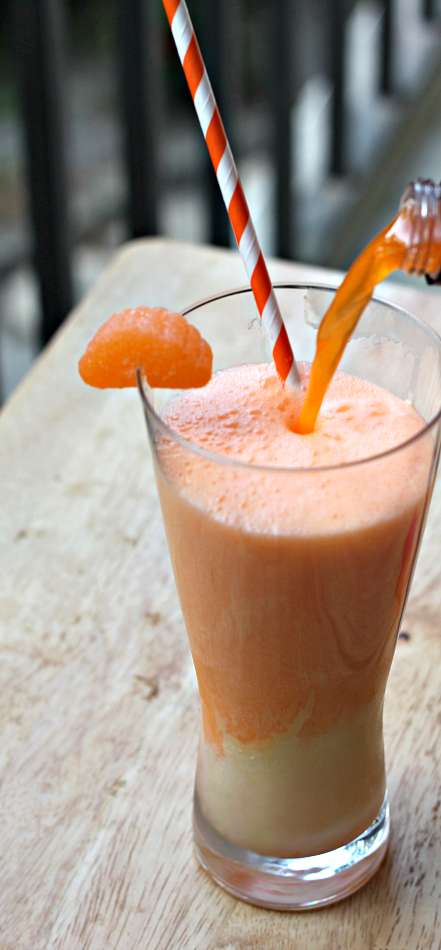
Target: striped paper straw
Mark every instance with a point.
(231, 188)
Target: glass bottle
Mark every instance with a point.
(421, 206)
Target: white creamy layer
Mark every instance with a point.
(291, 797)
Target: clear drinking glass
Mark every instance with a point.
(293, 617)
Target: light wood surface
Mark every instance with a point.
(98, 700)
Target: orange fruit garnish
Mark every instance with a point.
(170, 352)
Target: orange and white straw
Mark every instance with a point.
(231, 188)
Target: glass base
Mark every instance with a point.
(297, 883)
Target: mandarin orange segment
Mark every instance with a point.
(169, 350)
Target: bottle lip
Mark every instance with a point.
(422, 198)
(423, 191)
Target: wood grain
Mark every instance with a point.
(98, 699)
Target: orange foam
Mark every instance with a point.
(170, 351)
(246, 413)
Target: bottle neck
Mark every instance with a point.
(420, 217)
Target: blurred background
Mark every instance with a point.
(331, 106)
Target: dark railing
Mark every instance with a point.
(140, 70)
(220, 37)
(285, 81)
(386, 50)
(38, 29)
(38, 37)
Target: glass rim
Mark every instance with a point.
(274, 469)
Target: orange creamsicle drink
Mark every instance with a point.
(293, 526)
(293, 520)
(292, 558)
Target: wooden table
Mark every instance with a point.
(98, 696)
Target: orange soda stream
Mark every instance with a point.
(411, 242)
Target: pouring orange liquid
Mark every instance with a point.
(386, 253)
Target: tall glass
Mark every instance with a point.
(293, 613)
